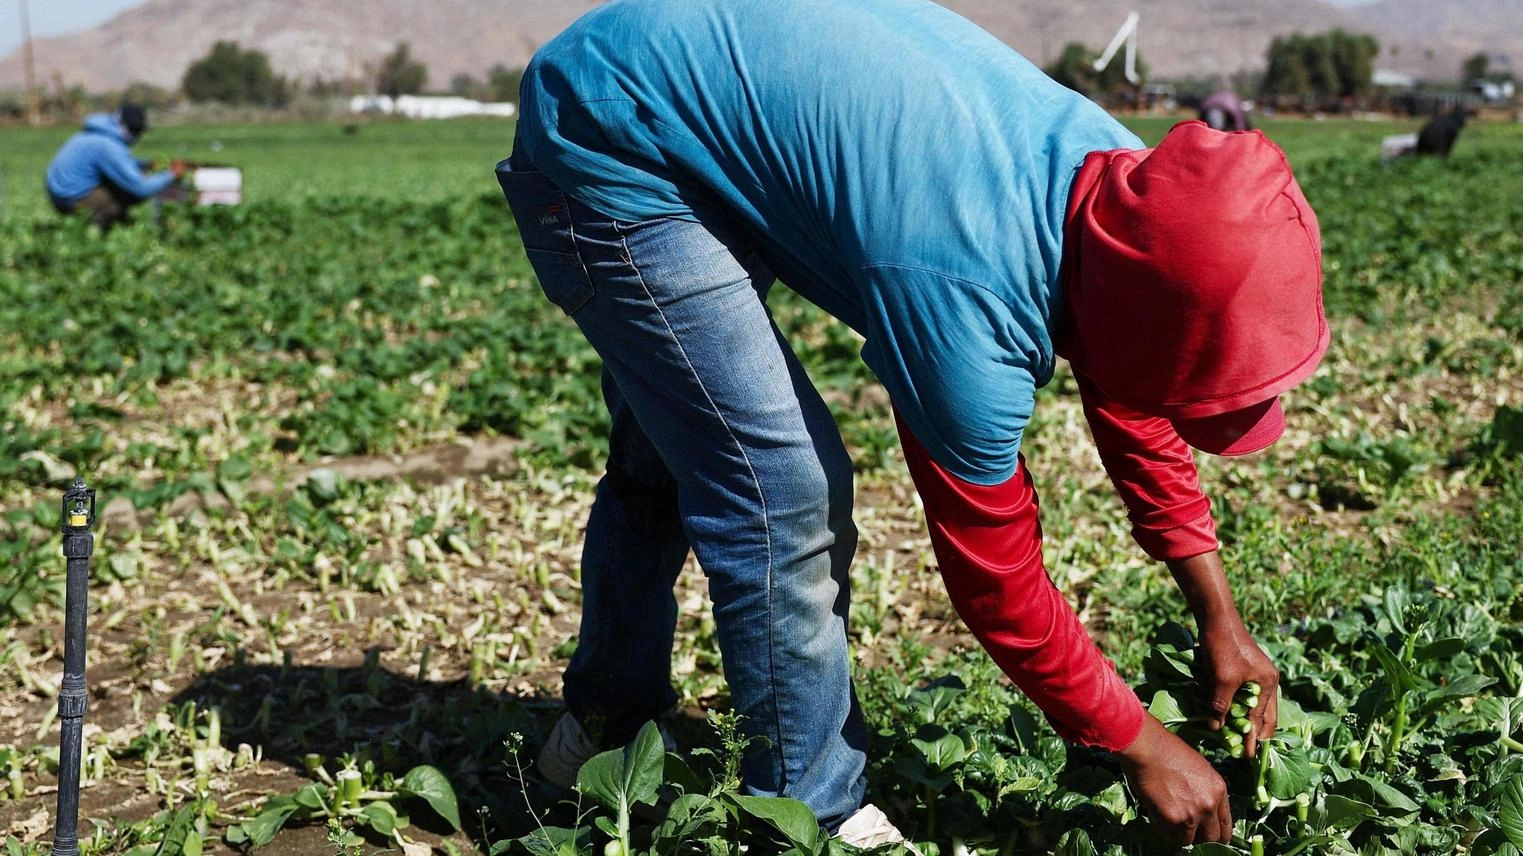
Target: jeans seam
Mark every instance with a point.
(575, 246)
(760, 495)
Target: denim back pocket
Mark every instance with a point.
(544, 223)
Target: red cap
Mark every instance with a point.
(1194, 284)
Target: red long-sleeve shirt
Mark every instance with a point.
(988, 544)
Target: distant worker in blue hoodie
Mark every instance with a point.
(94, 173)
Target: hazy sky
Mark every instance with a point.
(52, 17)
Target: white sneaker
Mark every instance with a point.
(870, 828)
(569, 746)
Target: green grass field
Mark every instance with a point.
(420, 161)
(425, 161)
(345, 449)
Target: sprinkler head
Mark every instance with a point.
(78, 509)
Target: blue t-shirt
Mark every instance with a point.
(902, 168)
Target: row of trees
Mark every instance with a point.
(1322, 69)
(501, 84)
(1480, 67)
(1335, 64)
(232, 74)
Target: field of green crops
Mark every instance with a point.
(344, 450)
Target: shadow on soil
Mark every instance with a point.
(397, 722)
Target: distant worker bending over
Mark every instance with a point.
(1224, 111)
(94, 173)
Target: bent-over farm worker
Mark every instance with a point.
(973, 221)
(94, 172)
(1224, 111)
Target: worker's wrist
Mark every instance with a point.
(1203, 582)
(1145, 745)
(1215, 613)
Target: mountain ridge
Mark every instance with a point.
(335, 39)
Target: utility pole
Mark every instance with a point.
(33, 108)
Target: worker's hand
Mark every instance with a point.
(178, 167)
(1179, 791)
(1228, 656)
(1227, 659)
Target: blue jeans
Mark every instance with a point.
(720, 445)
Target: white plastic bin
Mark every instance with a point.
(1397, 145)
(219, 185)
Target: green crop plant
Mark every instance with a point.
(356, 795)
(203, 370)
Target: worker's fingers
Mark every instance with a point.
(1185, 832)
(1221, 702)
(1224, 818)
(1271, 718)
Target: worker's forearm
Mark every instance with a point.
(988, 546)
(1154, 472)
(1204, 584)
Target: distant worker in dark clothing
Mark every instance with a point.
(1438, 135)
(1224, 111)
(94, 173)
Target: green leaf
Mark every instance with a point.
(936, 698)
(1024, 728)
(915, 770)
(381, 817)
(1211, 848)
(1290, 771)
(1340, 812)
(1292, 715)
(1166, 709)
(1175, 634)
(1395, 670)
(1167, 667)
(1310, 845)
(1510, 811)
(261, 830)
(1113, 799)
(235, 469)
(795, 820)
(1075, 842)
(1439, 649)
(941, 749)
(689, 817)
(1381, 795)
(549, 841)
(431, 786)
(676, 772)
(1396, 602)
(1462, 687)
(180, 828)
(312, 796)
(621, 778)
